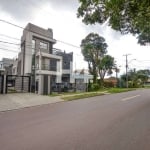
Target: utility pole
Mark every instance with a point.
(126, 55)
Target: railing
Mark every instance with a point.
(48, 67)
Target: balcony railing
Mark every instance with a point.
(48, 67)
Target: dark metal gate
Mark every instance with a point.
(17, 83)
(1, 83)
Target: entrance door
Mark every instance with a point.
(45, 88)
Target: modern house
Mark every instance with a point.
(40, 68)
(47, 67)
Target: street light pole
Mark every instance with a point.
(126, 55)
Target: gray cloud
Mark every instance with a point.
(70, 5)
(24, 9)
(18, 9)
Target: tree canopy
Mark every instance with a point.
(126, 16)
(94, 49)
(106, 65)
(136, 78)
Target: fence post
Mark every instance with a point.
(5, 84)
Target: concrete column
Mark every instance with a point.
(58, 66)
(59, 71)
(58, 79)
(4, 85)
(40, 86)
(72, 79)
(40, 61)
(49, 84)
(28, 54)
(71, 67)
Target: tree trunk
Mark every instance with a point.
(94, 78)
(101, 83)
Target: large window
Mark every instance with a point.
(43, 45)
(33, 46)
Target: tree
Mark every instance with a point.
(93, 48)
(126, 16)
(136, 78)
(106, 65)
(143, 75)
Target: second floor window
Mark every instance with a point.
(33, 46)
(43, 45)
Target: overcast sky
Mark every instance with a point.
(60, 15)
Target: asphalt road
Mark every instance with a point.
(110, 122)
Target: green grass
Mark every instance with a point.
(120, 90)
(81, 95)
(64, 93)
(54, 94)
(12, 91)
(147, 86)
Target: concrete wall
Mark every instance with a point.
(43, 58)
(33, 32)
(38, 30)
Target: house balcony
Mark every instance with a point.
(47, 55)
(49, 70)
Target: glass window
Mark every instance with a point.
(43, 45)
(33, 46)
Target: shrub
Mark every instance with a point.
(93, 87)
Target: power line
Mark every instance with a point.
(9, 43)
(1, 20)
(5, 49)
(11, 24)
(68, 44)
(10, 46)
(29, 46)
(9, 37)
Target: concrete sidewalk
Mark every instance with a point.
(22, 100)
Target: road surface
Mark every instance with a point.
(110, 122)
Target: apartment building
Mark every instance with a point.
(6, 65)
(49, 68)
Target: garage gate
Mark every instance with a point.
(17, 83)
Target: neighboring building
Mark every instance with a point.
(66, 73)
(15, 67)
(48, 68)
(147, 83)
(81, 79)
(1, 64)
(6, 65)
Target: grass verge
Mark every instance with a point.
(120, 90)
(81, 96)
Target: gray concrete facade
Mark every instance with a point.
(38, 60)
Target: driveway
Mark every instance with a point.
(22, 100)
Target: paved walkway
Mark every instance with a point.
(22, 100)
